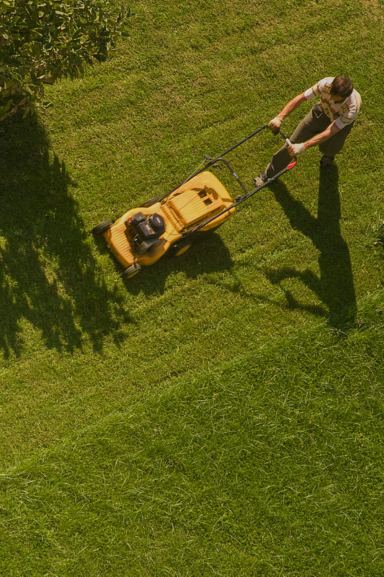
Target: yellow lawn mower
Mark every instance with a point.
(174, 221)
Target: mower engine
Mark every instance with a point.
(145, 231)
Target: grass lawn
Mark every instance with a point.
(220, 413)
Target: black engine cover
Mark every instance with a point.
(157, 223)
(146, 228)
(137, 218)
(145, 231)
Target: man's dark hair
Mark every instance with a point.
(342, 86)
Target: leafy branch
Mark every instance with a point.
(43, 41)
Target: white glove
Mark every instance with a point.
(296, 149)
(275, 124)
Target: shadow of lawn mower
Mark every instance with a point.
(174, 221)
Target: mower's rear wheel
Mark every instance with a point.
(180, 248)
(102, 227)
(131, 270)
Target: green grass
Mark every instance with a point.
(257, 350)
(269, 465)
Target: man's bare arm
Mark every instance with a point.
(275, 124)
(299, 148)
(291, 106)
(322, 137)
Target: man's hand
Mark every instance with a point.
(275, 124)
(296, 149)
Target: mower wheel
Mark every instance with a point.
(102, 227)
(131, 270)
(150, 202)
(180, 247)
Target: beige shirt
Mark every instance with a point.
(341, 113)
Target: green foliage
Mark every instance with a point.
(41, 42)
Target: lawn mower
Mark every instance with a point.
(174, 221)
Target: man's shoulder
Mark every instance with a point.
(354, 103)
(324, 85)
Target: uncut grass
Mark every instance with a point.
(271, 464)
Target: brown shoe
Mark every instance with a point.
(261, 179)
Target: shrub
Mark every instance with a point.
(43, 41)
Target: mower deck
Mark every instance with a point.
(199, 199)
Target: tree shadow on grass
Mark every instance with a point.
(334, 286)
(48, 274)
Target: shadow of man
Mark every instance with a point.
(334, 287)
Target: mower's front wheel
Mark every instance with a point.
(131, 270)
(102, 227)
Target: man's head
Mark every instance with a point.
(341, 88)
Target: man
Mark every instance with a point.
(327, 125)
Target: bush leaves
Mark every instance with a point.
(41, 42)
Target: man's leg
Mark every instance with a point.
(334, 145)
(314, 123)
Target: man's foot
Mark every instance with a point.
(326, 161)
(261, 179)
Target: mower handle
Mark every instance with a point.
(240, 200)
(288, 142)
(212, 161)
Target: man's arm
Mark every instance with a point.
(322, 137)
(295, 149)
(274, 125)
